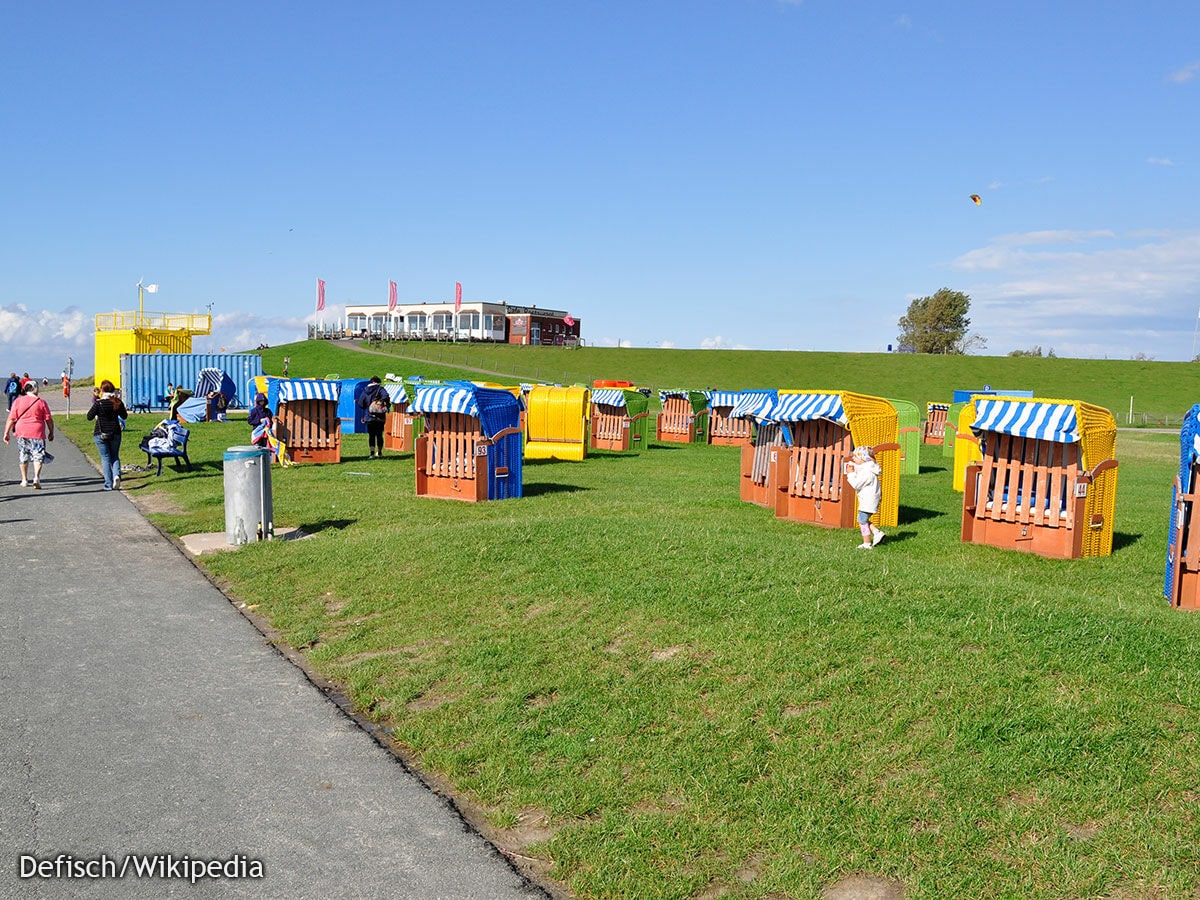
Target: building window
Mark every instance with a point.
(416, 321)
(468, 321)
(443, 321)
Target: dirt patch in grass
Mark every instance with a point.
(864, 887)
(150, 502)
(433, 698)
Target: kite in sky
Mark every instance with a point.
(977, 200)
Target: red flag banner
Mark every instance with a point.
(391, 295)
(320, 295)
(457, 296)
(568, 320)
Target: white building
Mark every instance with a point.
(475, 321)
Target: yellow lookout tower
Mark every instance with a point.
(143, 332)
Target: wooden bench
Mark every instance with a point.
(613, 428)
(679, 423)
(311, 430)
(399, 427)
(935, 423)
(1032, 494)
(811, 486)
(1183, 570)
(728, 432)
(177, 452)
(758, 465)
(454, 458)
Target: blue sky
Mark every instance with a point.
(743, 173)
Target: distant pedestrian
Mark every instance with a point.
(109, 413)
(375, 404)
(863, 474)
(12, 388)
(32, 422)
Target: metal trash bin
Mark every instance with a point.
(249, 514)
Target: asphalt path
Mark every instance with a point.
(154, 744)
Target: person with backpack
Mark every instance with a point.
(375, 404)
(30, 419)
(13, 388)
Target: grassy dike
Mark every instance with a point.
(647, 688)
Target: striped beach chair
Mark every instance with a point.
(767, 442)
(1181, 586)
(1046, 482)
(471, 445)
(618, 420)
(307, 421)
(684, 417)
(823, 428)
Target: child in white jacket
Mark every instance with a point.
(863, 474)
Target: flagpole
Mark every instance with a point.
(1195, 331)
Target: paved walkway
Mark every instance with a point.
(142, 714)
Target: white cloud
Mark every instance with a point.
(720, 343)
(1159, 161)
(39, 341)
(904, 20)
(1087, 293)
(1185, 74)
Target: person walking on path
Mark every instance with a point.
(863, 474)
(375, 403)
(12, 389)
(108, 411)
(33, 423)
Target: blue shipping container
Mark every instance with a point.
(145, 376)
(963, 396)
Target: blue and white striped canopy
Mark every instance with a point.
(723, 398)
(609, 397)
(208, 380)
(930, 407)
(808, 407)
(396, 393)
(309, 389)
(754, 405)
(1024, 418)
(664, 395)
(445, 398)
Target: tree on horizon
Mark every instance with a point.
(939, 324)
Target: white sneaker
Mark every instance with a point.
(117, 485)
(37, 485)
(876, 536)
(24, 483)
(865, 546)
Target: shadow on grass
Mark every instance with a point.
(595, 455)
(895, 536)
(323, 524)
(910, 514)
(1123, 539)
(550, 487)
(922, 470)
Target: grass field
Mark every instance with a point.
(645, 687)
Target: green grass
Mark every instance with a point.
(1159, 388)
(692, 698)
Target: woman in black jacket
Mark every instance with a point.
(109, 412)
(375, 404)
